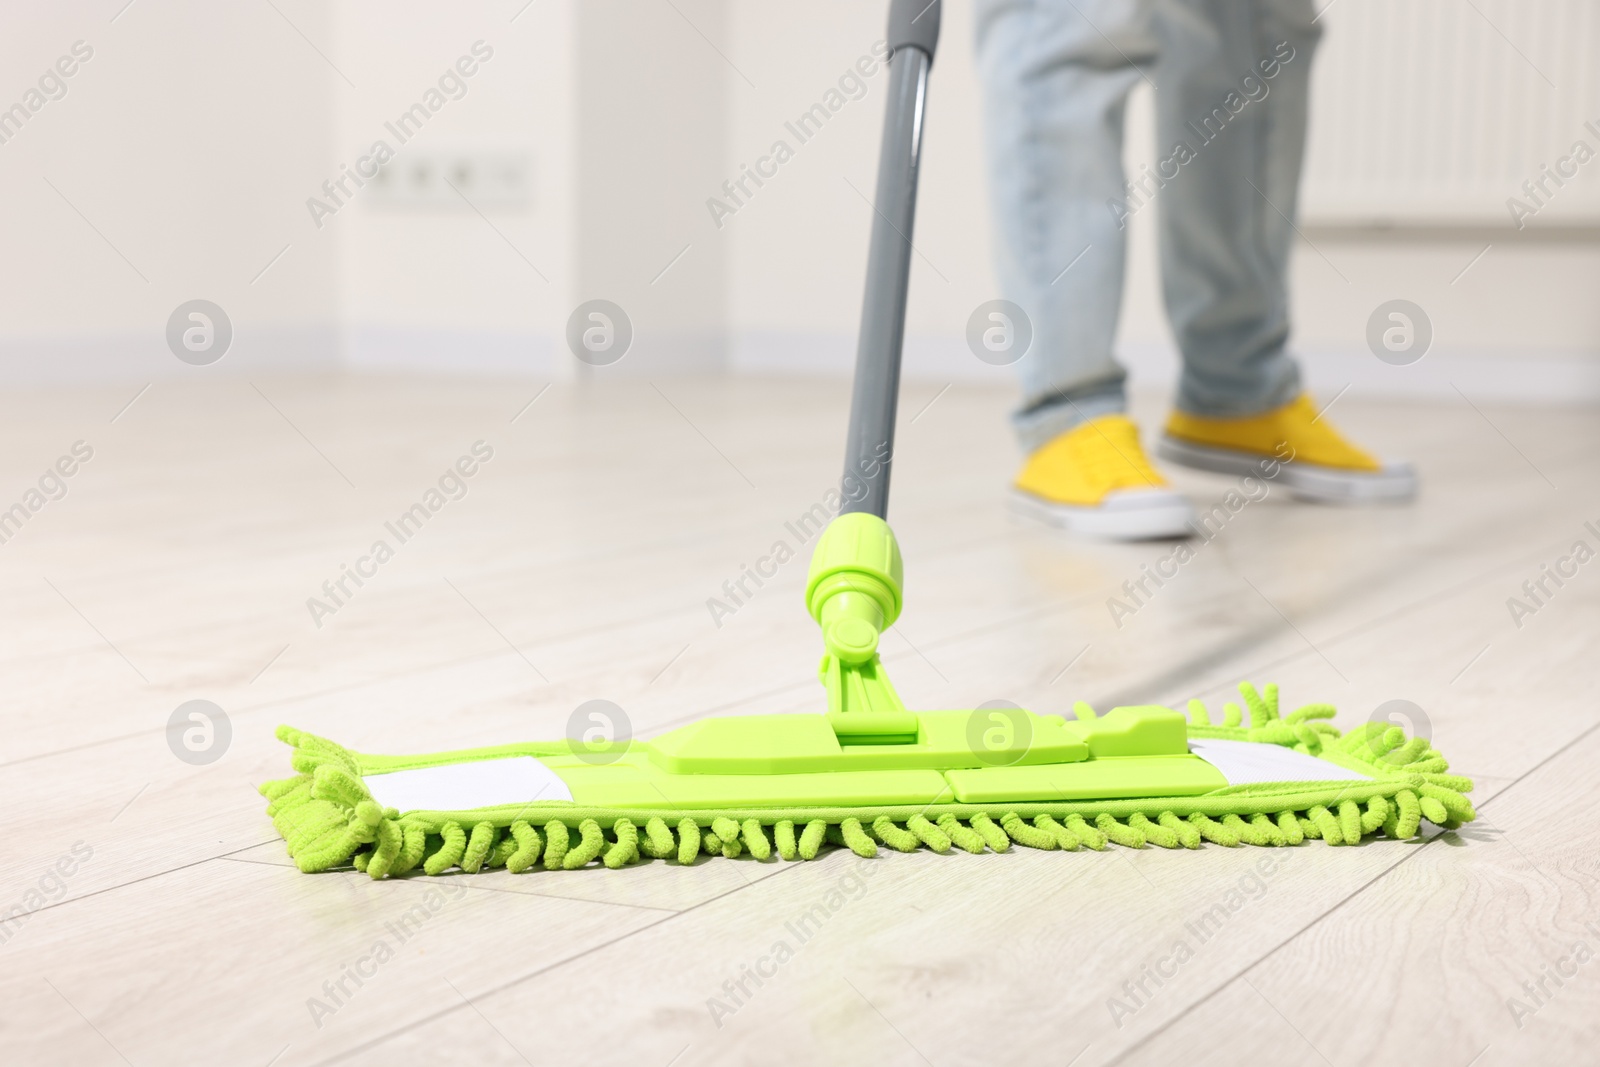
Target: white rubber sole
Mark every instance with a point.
(1395, 483)
(1129, 515)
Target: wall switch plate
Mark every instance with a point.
(430, 181)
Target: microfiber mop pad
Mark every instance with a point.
(1255, 778)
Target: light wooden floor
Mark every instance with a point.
(578, 566)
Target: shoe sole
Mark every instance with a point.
(1132, 517)
(1395, 483)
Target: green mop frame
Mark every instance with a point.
(869, 772)
(329, 819)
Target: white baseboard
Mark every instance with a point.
(431, 350)
(1483, 375)
(427, 350)
(100, 359)
(1489, 376)
(927, 357)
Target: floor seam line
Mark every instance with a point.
(145, 878)
(441, 1013)
(1246, 969)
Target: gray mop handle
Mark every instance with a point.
(913, 36)
(914, 24)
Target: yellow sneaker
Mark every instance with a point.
(1289, 445)
(1095, 479)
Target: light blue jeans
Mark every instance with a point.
(1231, 84)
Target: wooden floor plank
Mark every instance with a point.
(579, 564)
(1453, 934)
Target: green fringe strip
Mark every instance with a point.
(328, 819)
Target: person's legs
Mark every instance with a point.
(1056, 79)
(1232, 84)
(1232, 89)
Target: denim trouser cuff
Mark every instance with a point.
(1042, 423)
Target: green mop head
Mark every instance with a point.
(867, 773)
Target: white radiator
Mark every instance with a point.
(1438, 111)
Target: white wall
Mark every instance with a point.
(193, 138)
(619, 107)
(197, 133)
(187, 141)
(652, 116)
(443, 287)
(799, 248)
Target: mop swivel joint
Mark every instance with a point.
(853, 590)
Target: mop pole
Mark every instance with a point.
(912, 39)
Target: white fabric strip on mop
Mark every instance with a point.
(1249, 763)
(523, 779)
(464, 786)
